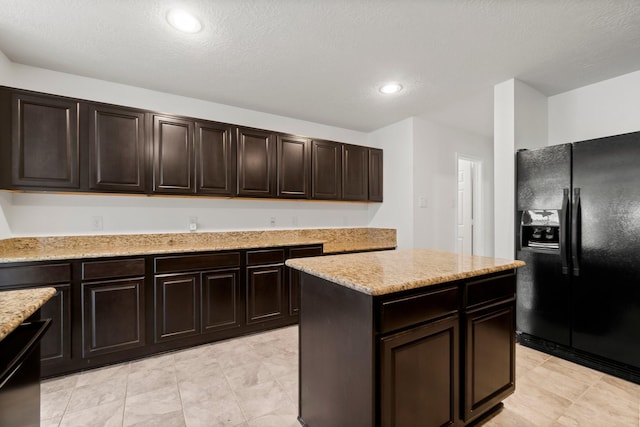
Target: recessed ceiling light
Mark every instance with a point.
(390, 88)
(183, 21)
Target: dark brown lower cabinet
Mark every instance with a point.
(490, 358)
(265, 293)
(441, 355)
(198, 296)
(56, 343)
(177, 313)
(220, 300)
(419, 371)
(109, 310)
(113, 316)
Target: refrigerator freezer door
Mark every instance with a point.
(606, 294)
(542, 174)
(542, 304)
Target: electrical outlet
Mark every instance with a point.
(193, 223)
(422, 202)
(272, 221)
(96, 223)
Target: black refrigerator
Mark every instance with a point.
(578, 230)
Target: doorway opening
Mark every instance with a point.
(468, 233)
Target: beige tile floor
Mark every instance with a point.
(252, 382)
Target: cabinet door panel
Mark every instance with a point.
(117, 149)
(265, 296)
(112, 316)
(220, 299)
(375, 175)
(173, 155)
(45, 142)
(419, 374)
(355, 172)
(326, 170)
(256, 163)
(294, 161)
(177, 311)
(490, 358)
(56, 344)
(216, 157)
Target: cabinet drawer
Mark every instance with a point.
(269, 256)
(305, 252)
(196, 262)
(490, 290)
(35, 274)
(413, 309)
(92, 270)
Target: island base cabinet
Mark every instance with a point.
(420, 376)
(490, 358)
(438, 355)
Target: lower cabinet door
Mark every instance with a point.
(177, 311)
(419, 376)
(112, 316)
(56, 343)
(220, 299)
(265, 293)
(489, 358)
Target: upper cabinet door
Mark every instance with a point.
(216, 159)
(375, 175)
(294, 161)
(173, 170)
(45, 142)
(116, 149)
(326, 169)
(256, 163)
(355, 172)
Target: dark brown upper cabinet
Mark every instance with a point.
(256, 163)
(45, 142)
(173, 152)
(326, 170)
(375, 175)
(117, 157)
(55, 143)
(355, 172)
(294, 163)
(216, 159)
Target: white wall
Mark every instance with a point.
(519, 122)
(436, 148)
(503, 176)
(397, 210)
(610, 107)
(33, 214)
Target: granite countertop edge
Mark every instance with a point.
(17, 305)
(333, 241)
(388, 285)
(405, 286)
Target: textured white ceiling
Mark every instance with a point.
(323, 60)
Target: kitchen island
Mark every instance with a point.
(20, 355)
(405, 338)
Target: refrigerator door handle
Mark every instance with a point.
(565, 219)
(575, 232)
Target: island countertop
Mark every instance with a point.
(17, 306)
(385, 272)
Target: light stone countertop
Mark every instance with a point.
(17, 306)
(385, 272)
(334, 240)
